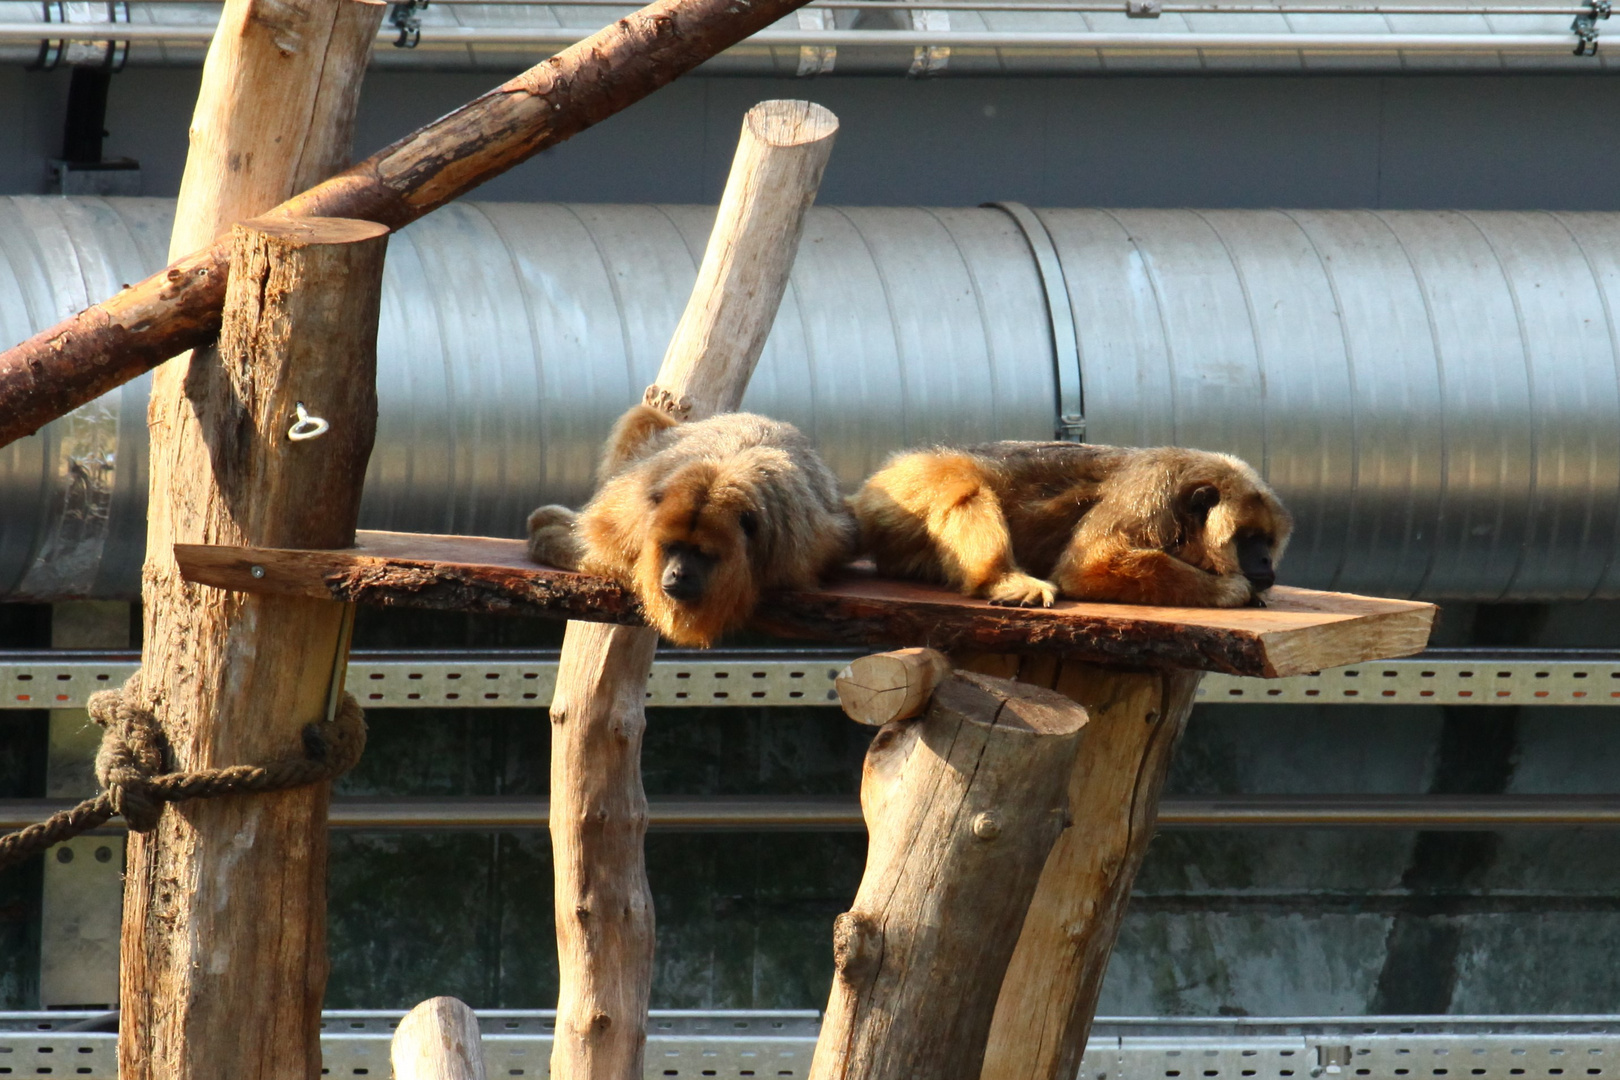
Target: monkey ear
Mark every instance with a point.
(1204, 498)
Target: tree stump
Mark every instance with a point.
(962, 807)
(224, 940)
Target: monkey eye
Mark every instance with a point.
(1204, 497)
(655, 497)
(749, 522)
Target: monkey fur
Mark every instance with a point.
(701, 518)
(1020, 523)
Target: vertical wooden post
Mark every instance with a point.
(207, 989)
(438, 1040)
(963, 806)
(1049, 995)
(603, 904)
(224, 943)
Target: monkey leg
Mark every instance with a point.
(551, 538)
(1147, 576)
(954, 497)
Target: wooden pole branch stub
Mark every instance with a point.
(438, 1040)
(888, 686)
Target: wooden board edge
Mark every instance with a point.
(1382, 636)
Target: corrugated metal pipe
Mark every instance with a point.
(917, 38)
(1436, 394)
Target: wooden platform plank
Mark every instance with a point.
(1300, 630)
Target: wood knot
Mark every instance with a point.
(987, 825)
(600, 1022)
(857, 946)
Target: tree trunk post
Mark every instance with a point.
(603, 904)
(438, 1040)
(962, 807)
(224, 940)
(1049, 995)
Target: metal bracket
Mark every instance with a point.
(1071, 417)
(1585, 27)
(406, 17)
(1143, 9)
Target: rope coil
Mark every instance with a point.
(130, 767)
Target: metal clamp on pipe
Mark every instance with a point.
(1585, 27)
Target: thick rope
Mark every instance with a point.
(130, 768)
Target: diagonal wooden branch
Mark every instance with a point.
(178, 308)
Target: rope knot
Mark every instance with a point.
(131, 754)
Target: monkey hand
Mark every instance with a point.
(1020, 590)
(551, 538)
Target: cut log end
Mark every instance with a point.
(306, 232)
(889, 686)
(1022, 707)
(783, 122)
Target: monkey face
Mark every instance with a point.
(693, 573)
(1231, 523)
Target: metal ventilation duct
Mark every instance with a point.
(1437, 395)
(906, 37)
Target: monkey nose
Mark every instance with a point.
(678, 585)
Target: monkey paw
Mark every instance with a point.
(551, 538)
(1021, 590)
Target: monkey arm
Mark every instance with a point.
(551, 538)
(1115, 571)
(629, 438)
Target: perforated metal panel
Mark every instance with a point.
(734, 1045)
(525, 679)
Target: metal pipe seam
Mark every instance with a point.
(843, 814)
(1071, 395)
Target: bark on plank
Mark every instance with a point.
(234, 678)
(1302, 630)
(178, 308)
(962, 807)
(1049, 995)
(603, 905)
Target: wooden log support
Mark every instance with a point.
(1301, 630)
(599, 810)
(438, 1040)
(224, 960)
(962, 808)
(885, 687)
(178, 308)
(1049, 995)
(275, 112)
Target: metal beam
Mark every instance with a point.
(843, 814)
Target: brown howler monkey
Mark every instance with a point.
(1021, 522)
(700, 518)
